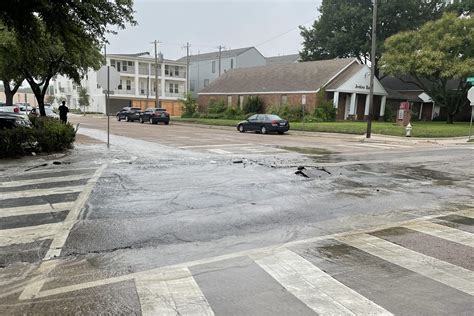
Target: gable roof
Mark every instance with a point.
(306, 76)
(214, 55)
(284, 59)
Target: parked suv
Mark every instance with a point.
(155, 115)
(128, 114)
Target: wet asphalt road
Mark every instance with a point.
(177, 219)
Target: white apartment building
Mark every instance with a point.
(204, 68)
(136, 88)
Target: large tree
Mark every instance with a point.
(344, 26)
(62, 37)
(46, 56)
(438, 55)
(10, 68)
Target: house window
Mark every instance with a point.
(232, 63)
(176, 88)
(284, 99)
(167, 70)
(120, 85)
(171, 88)
(130, 63)
(129, 84)
(176, 70)
(118, 66)
(191, 85)
(229, 100)
(124, 66)
(206, 82)
(112, 63)
(214, 67)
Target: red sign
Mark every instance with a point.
(404, 106)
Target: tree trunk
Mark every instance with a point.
(450, 119)
(39, 89)
(9, 92)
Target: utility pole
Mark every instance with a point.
(188, 59)
(156, 73)
(372, 70)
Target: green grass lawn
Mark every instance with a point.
(420, 129)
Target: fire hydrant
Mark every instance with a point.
(408, 130)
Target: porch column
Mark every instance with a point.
(367, 105)
(336, 99)
(162, 81)
(382, 105)
(352, 108)
(137, 79)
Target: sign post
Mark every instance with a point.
(108, 77)
(470, 96)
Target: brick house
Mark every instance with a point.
(346, 82)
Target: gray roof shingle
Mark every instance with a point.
(306, 76)
(285, 59)
(214, 55)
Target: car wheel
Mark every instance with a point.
(141, 120)
(263, 130)
(167, 123)
(118, 118)
(281, 133)
(241, 128)
(151, 121)
(127, 119)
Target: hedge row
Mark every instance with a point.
(47, 135)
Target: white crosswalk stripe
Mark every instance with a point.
(35, 209)
(444, 232)
(441, 271)
(27, 234)
(171, 293)
(18, 183)
(312, 286)
(40, 192)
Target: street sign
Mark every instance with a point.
(470, 79)
(114, 78)
(470, 95)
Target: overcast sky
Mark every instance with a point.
(270, 25)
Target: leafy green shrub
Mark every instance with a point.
(16, 142)
(52, 135)
(217, 106)
(288, 112)
(324, 110)
(232, 113)
(254, 104)
(189, 105)
(46, 135)
(196, 115)
(390, 114)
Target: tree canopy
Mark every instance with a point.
(60, 37)
(10, 68)
(344, 27)
(433, 56)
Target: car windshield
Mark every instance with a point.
(136, 109)
(160, 110)
(273, 117)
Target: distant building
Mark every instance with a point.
(204, 68)
(283, 59)
(346, 82)
(137, 74)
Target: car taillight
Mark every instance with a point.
(16, 110)
(274, 123)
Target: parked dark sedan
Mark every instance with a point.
(129, 114)
(264, 123)
(12, 120)
(155, 115)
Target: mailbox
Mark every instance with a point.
(404, 114)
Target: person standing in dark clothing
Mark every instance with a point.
(63, 111)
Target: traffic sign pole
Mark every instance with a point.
(470, 96)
